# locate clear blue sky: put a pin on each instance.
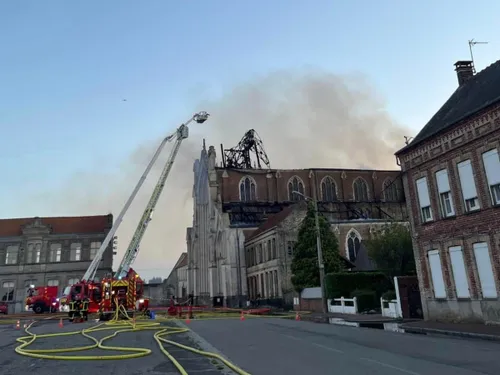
(66, 66)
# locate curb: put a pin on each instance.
(478, 336)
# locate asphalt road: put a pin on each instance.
(266, 346)
(156, 363)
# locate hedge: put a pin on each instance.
(342, 284)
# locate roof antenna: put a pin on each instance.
(472, 43)
(407, 139)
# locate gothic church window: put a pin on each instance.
(328, 190)
(353, 245)
(295, 185)
(247, 189)
(390, 191)
(360, 188)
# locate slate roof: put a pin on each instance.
(182, 261)
(479, 92)
(59, 225)
(271, 222)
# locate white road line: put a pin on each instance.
(390, 366)
(327, 348)
(313, 343)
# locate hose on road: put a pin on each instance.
(117, 326)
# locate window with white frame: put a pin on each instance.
(11, 254)
(8, 291)
(444, 191)
(34, 252)
(248, 190)
(436, 274)
(424, 199)
(459, 272)
(52, 282)
(275, 255)
(491, 161)
(55, 252)
(75, 253)
(73, 281)
(94, 248)
(353, 245)
(468, 185)
(485, 270)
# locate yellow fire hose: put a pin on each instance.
(118, 326)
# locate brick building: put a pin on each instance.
(355, 202)
(53, 251)
(237, 196)
(452, 185)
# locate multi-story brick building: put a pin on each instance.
(452, 185)
(355, 202)
(53, 251)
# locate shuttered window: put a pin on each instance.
(436, 274)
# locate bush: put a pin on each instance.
(342, 284)
(389, 295)
(367, 299)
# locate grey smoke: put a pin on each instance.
(306, 119)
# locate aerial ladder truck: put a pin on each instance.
(124, 288)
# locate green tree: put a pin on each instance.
(305, 268)
(391, 249)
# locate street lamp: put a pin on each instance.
(320, 251)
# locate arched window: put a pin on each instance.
(295, 184)
(328, 190)
(247, 189)
(353, 244)
(360, 190)
(390, 191)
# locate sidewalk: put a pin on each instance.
(476, 331)
(352, 318)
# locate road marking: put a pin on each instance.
(313, 343)
(390, 366)
(327, 348)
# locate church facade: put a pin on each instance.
(235, 206)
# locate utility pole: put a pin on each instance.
(321, 264)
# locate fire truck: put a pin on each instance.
(42, 299)
(124, 288)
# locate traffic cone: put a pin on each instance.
(297, 316)
(242, 316)
(18, 325)
(188, 320)
(61, 323)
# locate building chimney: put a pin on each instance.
(465, 71)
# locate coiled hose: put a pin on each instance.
(118, 326)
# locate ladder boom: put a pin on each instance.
(94, 265)
(133, 248)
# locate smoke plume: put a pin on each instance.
(307, 119)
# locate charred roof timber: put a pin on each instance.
(240, 157)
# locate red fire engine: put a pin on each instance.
(125, 287)
(42, 299)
